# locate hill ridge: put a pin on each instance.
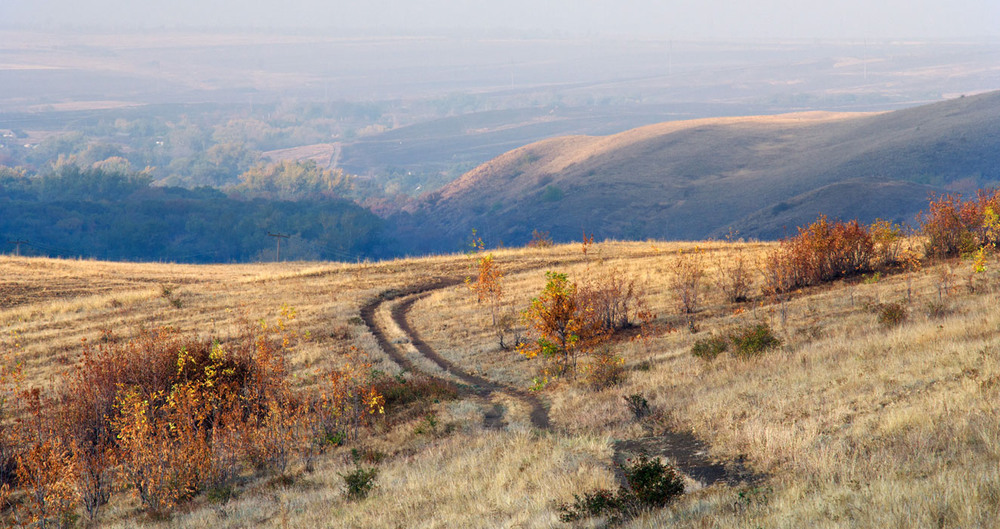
(686, 180)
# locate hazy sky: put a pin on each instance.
(676, 19)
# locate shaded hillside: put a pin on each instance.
(696, 179)
(862, 199)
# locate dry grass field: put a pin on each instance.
(848, 423)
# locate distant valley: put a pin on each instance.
(140, 146)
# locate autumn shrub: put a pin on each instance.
(351, 397)
(943, 224)
(753, 340)
(540, 239)
(562, 325)
(710, 348)
(777, 270)
(953, 226)
(11, 380)
(161, 450)
(649, 484)
(489, 289)
(891, 314)
(94, 474)
(44, 468)
(275, 436)
(188, 414)
(611, 296)
(605, 370)
(567, 320)
(147, 361)
(166, 416)
(826, 250)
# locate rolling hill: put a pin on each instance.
(686, 180)
(851, 421)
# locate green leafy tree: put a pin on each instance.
(292, 180)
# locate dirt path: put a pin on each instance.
(481, 386)
(478, 386)
(687, 452)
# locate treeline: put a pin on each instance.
(108, 211)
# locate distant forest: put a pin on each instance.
(111, 212)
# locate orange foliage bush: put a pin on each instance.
(352, 398)
(605, 370)
(167, 416)
(567, 319)
(162, 446)
(826, 250)
(562, 324)
(45, 468)
(956, 227)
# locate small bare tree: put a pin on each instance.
(689, 271)
(735, 277)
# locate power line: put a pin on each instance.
(49, 249)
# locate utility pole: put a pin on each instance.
(278, 236)
(17, 244)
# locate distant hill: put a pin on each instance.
(689, 180)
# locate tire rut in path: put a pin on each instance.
(479, 386)
(683, 448)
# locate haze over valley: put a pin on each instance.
(405, 115)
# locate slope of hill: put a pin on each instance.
(696, 179)
(849, 422)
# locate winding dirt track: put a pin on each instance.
(477, 385)
(689, 454)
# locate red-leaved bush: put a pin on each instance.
(826, 250)
(954, 226)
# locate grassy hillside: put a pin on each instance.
(695, 179)
(849, 422)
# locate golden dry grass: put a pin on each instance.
(851, 424)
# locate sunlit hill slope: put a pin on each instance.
(761, 176)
